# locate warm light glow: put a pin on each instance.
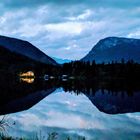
(27, 74)
(27, 77)
(27, 80)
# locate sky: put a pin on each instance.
(69, 29)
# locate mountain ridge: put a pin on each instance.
(25, 48)
(61, 61)
(114, 49)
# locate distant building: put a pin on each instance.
(27, 74)
(64, 76)
(46, 77)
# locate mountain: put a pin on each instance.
(61, 61)
(26, 49)
(114, 49)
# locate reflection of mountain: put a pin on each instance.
(25, 102)
(115, 102)
(112, 97)
(21, 96)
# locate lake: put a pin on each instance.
(76, 109)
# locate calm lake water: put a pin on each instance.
(96, 114)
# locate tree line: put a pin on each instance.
(116, 70)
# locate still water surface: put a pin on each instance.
(102, 116)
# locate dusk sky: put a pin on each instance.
(69, 28)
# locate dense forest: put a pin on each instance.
(114, 70)
(11, 64)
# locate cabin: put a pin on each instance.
(27, 74)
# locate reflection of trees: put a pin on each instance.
(114, 77)
(12, 89)
(110, 96)
(90, 87)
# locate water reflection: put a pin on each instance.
(27, 77)
(114, 103)
(109, 97)
(74, 116)
(27, 80)
(17, 96)
(75, 108)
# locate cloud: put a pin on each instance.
(82, 16)
(68, 29)
(92, 3)
(135, 34)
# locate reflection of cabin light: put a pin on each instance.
(27, 80)
(27, 74)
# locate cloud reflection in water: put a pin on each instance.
(64, 112)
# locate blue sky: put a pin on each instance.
(69, 29)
